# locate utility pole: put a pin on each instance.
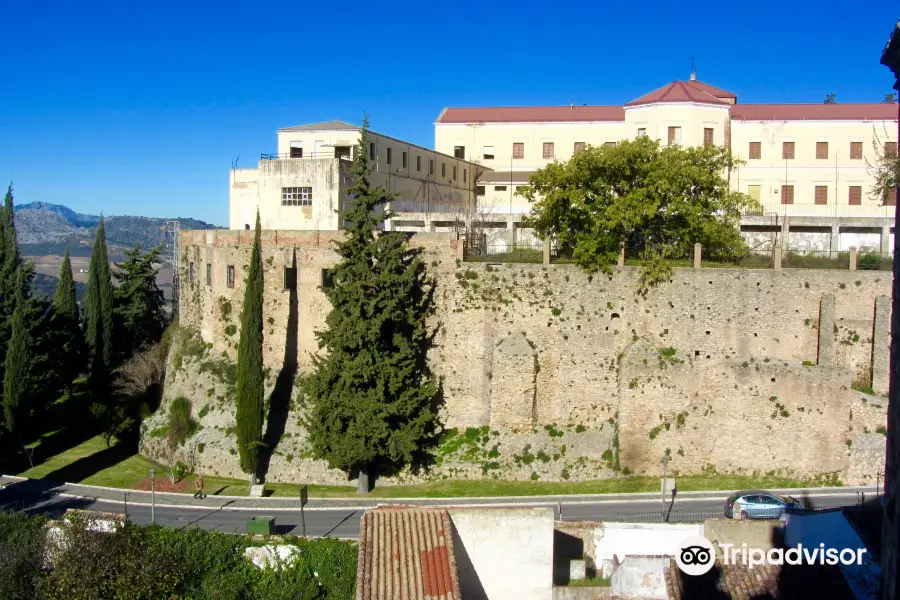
(665, 463)
(153, 496)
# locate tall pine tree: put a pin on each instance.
(98, 312)
(11, 267)
(139, 303)
(17, 380)
(249, 368)
(371, 395)
(67, 327)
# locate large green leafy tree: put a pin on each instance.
(98, 313)
(652, 199)
(69, 351)
(140, 318)
(250, 383)
(371, 395)
(884, 169)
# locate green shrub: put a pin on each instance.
(21, 555)
(181, 424)
(203, 412)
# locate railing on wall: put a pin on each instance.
(504, 252)
(823, 210)
(332, 154)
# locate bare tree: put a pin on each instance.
(885, 169)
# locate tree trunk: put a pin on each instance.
(251, 477)
(366, 478)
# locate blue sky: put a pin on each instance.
(139, 108)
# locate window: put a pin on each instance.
(488, 153)
(787, 150)
(290, 279)
(579, 147)
(327, 279)
(454, 172)
(521, 188)
(821, 194)
(296, 151)
(609, 144)
(674, 135)
(855, 198)
(821, 150)
(642, 132)
(464, 175)
(459, 151)
(856, 150)
(431, 166)
(389, 155)
(707, 136)
(518, 150)
(479, 190)
(499, 188)
(890, 148)
(548, 149)
(418, 163)
(755, 150)
(754, 191)
(296, 196)
(404, 160)
(444, 170)
(191, 272)
(229, 276)
(208, 274)
(787, 194)
(372, 150)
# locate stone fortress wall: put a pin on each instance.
(722, 369)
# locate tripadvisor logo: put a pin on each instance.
(696, 556)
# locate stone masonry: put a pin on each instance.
(725, 369)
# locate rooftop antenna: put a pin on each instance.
(693, 69)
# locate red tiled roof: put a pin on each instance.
(710, 89)
(677, 91)
(814, 112)
(788, 582)
(406, 553)
(532, 114)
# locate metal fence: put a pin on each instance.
(756, 258)
(875, 261)
(503, 252)
(285, 155)
(815, 259)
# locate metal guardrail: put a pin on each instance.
(282, 156)
(824, 210)
(505, 253)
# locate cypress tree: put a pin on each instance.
(98, 312)
(10, 266)
(66, 326)
(249, 368)
(371, 396)
(17, 382)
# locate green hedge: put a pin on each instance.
(155, 562)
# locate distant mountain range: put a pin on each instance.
(45, 228)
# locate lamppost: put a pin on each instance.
(153, 496)
(665, 464)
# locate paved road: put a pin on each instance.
(342, 520)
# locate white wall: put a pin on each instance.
(638, 539)
(504, 553)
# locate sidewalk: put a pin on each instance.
(14, 488)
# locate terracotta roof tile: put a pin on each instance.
(406, 554)
(710, 89)
(814, 112)
(790, 582)
(532, 114)
(677, 91)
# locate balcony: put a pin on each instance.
(878, 211)
(339, 152)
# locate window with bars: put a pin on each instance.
(518, 150)
(787, 150)
(464, 176)
(229, 276)
(855, 198)
(431, 166)
(459, 151)
(208, 274)
(499, 188)
(890, 148)
(296, 196)
(642, 132)
(389, 157)
(787, 194)
(191, 272)
(674, 135)
(371, 150)
(579, 147)
(444, 170)
(296, 151)
(548, 149)
(454, 172)
(856, 150)
(755, 150)
(708, 136)
(821, 150)
(821, 196)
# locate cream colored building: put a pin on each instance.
(304, 185)
(806, 163)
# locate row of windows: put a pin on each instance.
(289, 276)
(404, 161)
(296, 196)
(820, 196)
(518, 150)
(788, 150)
(480, 189)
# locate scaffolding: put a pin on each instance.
(173, 229)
